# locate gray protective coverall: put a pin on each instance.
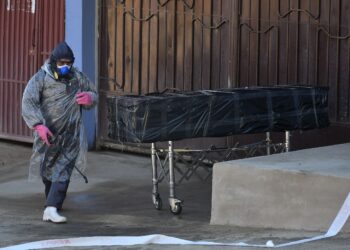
(52, 102)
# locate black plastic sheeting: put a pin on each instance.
(214, 113)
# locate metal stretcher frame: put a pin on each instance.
(175, 203)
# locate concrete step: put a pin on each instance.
(297, 190)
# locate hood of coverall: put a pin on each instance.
(62, 51)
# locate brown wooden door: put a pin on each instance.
(151, 45)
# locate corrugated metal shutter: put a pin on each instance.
(29, 31)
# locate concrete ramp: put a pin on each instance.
(296, 190)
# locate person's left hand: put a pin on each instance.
(84, 98)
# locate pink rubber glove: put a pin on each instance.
(84, 98)
(44, 133)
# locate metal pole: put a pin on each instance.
(268, 143)
(171, 170)
(175, 204)
(154, 169)
(287, 143)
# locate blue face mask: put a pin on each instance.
(63, 70)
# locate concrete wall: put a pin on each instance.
(297, 190)
(81, 37)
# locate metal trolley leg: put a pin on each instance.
(157, 201)
(268, 143)
(287, 143)
(175, 204)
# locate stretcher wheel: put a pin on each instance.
(176, 209)
(158, 203)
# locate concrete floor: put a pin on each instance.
(117, 202)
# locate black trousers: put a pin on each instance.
(55, 193)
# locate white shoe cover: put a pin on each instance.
(50, 214)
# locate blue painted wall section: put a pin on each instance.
(80, 35)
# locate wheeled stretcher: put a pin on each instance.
(168, 117)
(166, 159)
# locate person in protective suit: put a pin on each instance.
(52, 105)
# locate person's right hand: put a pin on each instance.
(44, 133)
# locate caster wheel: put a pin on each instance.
(158, 203)
(176, 209)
